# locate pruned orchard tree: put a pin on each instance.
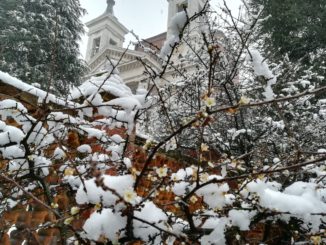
(39, 42)
(226, 153)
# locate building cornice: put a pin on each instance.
(129, 59)
(122, 54)
(103, 18)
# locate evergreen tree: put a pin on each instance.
(296, 27)
(39, 41)
(293, 31)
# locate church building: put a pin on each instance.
(106, 36)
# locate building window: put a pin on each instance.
(143, 84)
(182, 6)
(96, 46)
(113, 43)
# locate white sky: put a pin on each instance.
(145, 17)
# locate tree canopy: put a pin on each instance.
(293, 27)
(39, 41)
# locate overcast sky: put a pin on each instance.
(145, 17)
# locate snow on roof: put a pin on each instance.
(113, 85)
(42, 95)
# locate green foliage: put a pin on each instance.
(39, 41)
(296, 27)
(293, 31)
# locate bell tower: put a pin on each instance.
(175, 6)
(104, 32)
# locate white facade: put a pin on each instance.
(106, 36)
(192, 7)
(105, 40)
(104, 31)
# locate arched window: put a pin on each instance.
(96, 46)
